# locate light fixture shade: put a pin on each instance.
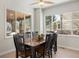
(41, 2)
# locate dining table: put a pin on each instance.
(33, 43)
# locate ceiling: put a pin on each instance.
(29, 2)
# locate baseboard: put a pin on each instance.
(68, 47)
(6, 52)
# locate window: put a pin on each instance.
(48, 23)
(56, 22)
(53, 23)
(75, 22)
(67, 23)
(17, 22)
(10, 22)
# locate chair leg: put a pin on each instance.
(48, 54)
(16, 54)
(43, 53)
(51, 54)
(55, 48)
(55, 52)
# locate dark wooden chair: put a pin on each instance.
(21, 49)
(34, 34)
(55, 42)
(49, 46)
(27, 34)
(46, 49)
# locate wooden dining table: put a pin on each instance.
(32, 43)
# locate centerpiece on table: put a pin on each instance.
(40, 37)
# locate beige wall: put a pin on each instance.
(7, 44)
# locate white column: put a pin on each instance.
(32, 22)
(44, 24)
(41, 21)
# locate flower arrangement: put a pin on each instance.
(40, 37)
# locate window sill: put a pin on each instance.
(8, 36)
(68, 35)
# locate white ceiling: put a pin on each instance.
(28, 3)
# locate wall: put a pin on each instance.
(36, 19)
(62, 8)
(7, 44)
(67, 41)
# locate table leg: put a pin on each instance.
(33, 52)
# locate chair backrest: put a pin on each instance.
(34, 34)
(54, 41)
(50, 40)
(18, 41)
(47, 37)
(55, 36)
(27, 35)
